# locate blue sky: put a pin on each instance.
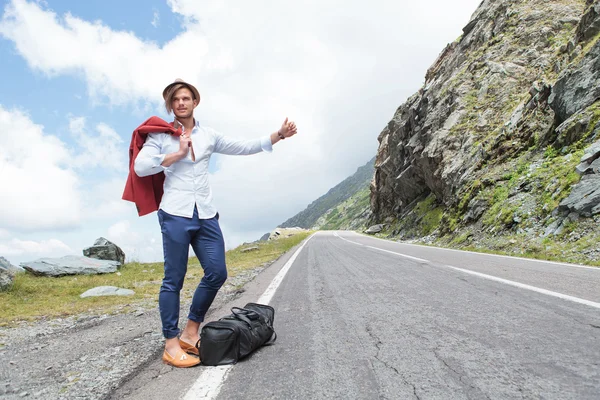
(79, 76)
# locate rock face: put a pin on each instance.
(501, 110)
(6, 279)
(104, 249)
(5, 264)
(577, 89)
(70, 265)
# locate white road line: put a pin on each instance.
(399, 254)
(268, 294)
(529, 287)
(377, 248)
(487, 254)
(209, 383)
(501, 280)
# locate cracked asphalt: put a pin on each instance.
(357, 323)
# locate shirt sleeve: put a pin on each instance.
(149, 159)
(226, 145)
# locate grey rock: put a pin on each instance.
(584, 198)
(375, 229)
(572, 129)
(577, 89)
(285, 232)
(104, 249)
(6, 279)
(589, 26)
(588, 168)
(595, 167)
(107, 291)
(5, 264)
(70, 265)
(264, 237)
(247, 249)
(553, 228)
(591, 153)
(582, 168)
(475, 209)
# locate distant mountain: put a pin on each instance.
(351, 195)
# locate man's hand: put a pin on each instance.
(185, 142)
(288, 129)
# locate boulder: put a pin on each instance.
(106, 291)
(584, 198)
(374, 229)
(104, 249)
(475, 210)
(5, 264)
(264, 237)
(70, 265)
(6, 279)
(247, 249)
(285, 232)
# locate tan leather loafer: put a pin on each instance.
(180, 360)
(189, 348)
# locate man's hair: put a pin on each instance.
(172, 90)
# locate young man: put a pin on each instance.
(186, 213)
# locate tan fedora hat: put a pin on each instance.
(193, 89)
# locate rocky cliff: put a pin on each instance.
(500, 147)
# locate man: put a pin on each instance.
(186, 213)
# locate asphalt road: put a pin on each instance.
(362, 318)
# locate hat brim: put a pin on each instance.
(192, 88)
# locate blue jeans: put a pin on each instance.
(205, 236)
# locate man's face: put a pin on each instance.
(183, 103)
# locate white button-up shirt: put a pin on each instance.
(186, 181)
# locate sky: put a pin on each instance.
(77, 77)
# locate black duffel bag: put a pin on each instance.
(234, 336)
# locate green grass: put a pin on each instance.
(348, 211)
(33, 297)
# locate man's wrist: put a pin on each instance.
(280, 135)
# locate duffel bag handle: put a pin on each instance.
(271, 339)
(249, 313)
(241, 315)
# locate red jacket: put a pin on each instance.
(146, 192)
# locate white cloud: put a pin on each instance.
(155, 19)
(103, 149)
(40, 192)
(138, 244)
(338, 68)
(103, 201)
(44, 191)
(44, 248)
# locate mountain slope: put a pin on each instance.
(500, 148)
(340, 193)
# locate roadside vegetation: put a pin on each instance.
(34, 297)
